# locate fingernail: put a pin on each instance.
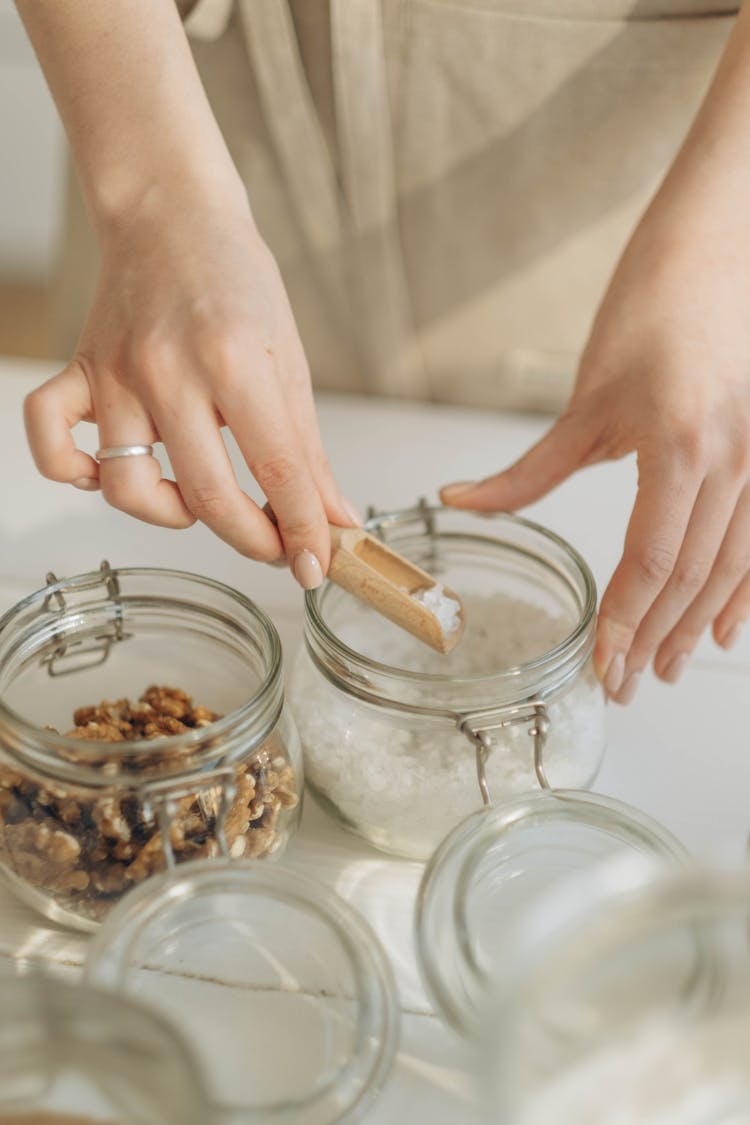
(87, 484)
(615, 674)
(307, 570)
(352, 512)
(627, 692)
(283, 561)
(453, 491)
(675, 668)
(729, 640)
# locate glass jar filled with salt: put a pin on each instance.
(403, 743)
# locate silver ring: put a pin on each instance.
(123, 451)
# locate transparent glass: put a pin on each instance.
(634, 1010)
(226, 993)
(73, 1055)
(502, 864)
(83, 820)
(391, 730)
(279, 987)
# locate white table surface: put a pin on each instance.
(680, 753)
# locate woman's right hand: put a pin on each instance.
(191, 330)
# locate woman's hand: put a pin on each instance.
(191, 330)
(666, 374)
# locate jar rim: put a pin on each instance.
(443, 889)
(58, 1004)
(41, 746)
(576, 640)
(108, 961)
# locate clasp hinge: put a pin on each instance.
(477, 725)
(77, 655)
(161, 800)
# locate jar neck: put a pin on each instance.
(376, 684)
(53, 629)
(543, 678)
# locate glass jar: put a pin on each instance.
(402, 743)
(500, 866)
(73, 1055)
(227, 993)
(214, 765)
(627, 1006)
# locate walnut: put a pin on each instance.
(109, 819)
(110, 878)
(70, 882)
(201, 717)
(149, 860)
(40, 849)
(87, 851)
(163, 726)
(97, 731)
(9, 779)
(168, 701)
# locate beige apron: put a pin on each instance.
(447, 184)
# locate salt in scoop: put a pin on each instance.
(396, 588)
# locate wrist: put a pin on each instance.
(124, 200)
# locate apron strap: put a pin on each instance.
(358, 216)
(367, 160)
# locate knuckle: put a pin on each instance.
(259, 553)
(690, 577)
(276, 473)
(654, 565)
(207, 502)
(689, 443)
(734, 568)
(35, 403)
(738, 459)
(150, 357)
(227, 354)
(304, 531)
(121, 494)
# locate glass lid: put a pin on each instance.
(279, 987)
(495, 866)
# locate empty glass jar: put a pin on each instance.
(402, 743)
(227, 993)
(194, 755)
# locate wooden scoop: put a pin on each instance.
(370, 571)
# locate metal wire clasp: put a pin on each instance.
(477, 726)
(78, 654)
(161, 801)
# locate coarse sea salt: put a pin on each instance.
(446, 609)
(403, 781)
(668, 1072)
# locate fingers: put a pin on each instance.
(277, 459)
(134, 484)
(724, 599)
(728, 625)
(301, 405)
(565, 448)
(689, 586)
(667, 491)
(208, 485)
(50, 413)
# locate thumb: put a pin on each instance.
(562, 450)
(51, 412)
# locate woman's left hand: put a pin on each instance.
(666, 373)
